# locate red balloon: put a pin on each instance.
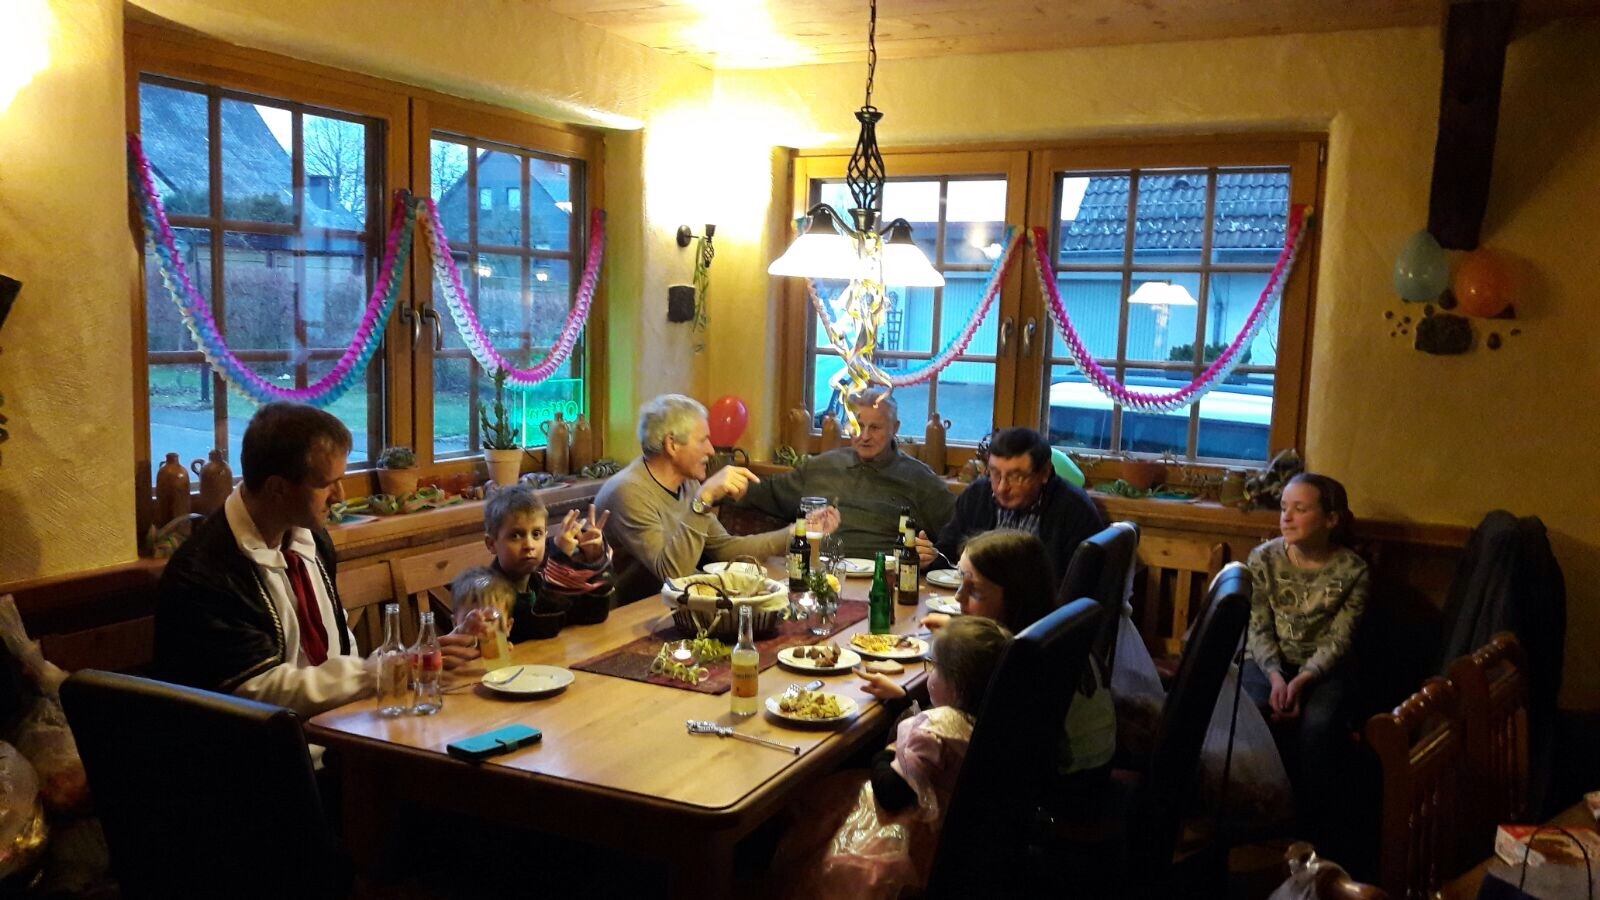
(1482, 284)
(727, 418)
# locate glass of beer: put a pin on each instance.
(809, 505)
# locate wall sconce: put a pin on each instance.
(686, 234)
(685, 302)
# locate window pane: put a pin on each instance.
(499, 173)
(1077, 415)
(448, 162)
(336, 173)
(1232, 296)
(353, 409)
(1171, 217)
(178, 144)
(1144, 432)
(963, 291)
(550, 294)
(452, 429)
(1163, 331)
(1252, 215)
(1094, 218)
(258, 292)
(966, 399)
(1093, 301)
(180, 413)
(539, 404)
(551, 187)
(335, 294)
(497, 295)
(257, 183)
(164, 328)
(1235, 418)
(908, 321)
(832, 293)
(975, 226)
(823, 396)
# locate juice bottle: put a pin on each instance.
(746, 667)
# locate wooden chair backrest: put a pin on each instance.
(1419, 748)
(363, 589)
(1177, 573)
(422, 582)
(1493, 685)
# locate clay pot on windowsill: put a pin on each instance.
(1143, 474)
(398, 482)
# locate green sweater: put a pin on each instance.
(1304, 617)
(868, 494)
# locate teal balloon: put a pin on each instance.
(1065, 467)
(1421, 271)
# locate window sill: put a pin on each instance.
(379, 534)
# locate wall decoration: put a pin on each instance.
(1421, 271)
(1482, 284)
(1481, 287)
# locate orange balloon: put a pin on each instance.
(1482, 284)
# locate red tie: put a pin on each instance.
(313, 635)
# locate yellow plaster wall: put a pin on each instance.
(66, 476)
(1413, 436)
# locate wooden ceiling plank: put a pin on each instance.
(1476, 34)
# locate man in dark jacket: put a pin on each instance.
(248, 605)
(1022, 491)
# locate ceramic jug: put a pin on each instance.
(933, 443)
(557, 452)
(830, 432)
(798, 427)
(582, 444)
(172, 491)
(216, 482)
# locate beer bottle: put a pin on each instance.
(880, 611)
(910, 568)
(799, 561)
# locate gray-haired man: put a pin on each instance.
(662, 505)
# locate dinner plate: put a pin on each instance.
(945, 578)
(946, 605)
(918, 648)
(848, 659)
(847, 708)
(856, 567)
(712, 568)
(530, 681)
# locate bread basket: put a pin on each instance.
(717, 612)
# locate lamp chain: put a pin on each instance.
(872, 48)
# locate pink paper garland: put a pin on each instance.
(1219, 369)
(466, 318)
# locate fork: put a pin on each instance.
(702, 726)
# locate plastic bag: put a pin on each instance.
(43, 735)
(23, 832)
(1137, 692)
(1258, 791)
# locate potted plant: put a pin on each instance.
(397, 471)
(501, 452)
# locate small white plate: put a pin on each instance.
(531, 681)
(946, 605)
(945, 578)
(712, 568)
(847, 708)
(917, 648)
(848, 659)
(856, 567)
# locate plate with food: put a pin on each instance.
(945, 578)
(942, 604)
(811, 707)
(856, 567)
(826, 658)
(528, 681)
(889, 646)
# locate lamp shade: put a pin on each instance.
(904, 262)
(820, 251)
(1163, 293)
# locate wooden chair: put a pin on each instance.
(1419, 748)
(422, 582)
(1332, 882)
(1177, 573)
(363, 590)
(1493, 686)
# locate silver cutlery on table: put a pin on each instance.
(494, 678)
(702, 726)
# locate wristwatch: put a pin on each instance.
(698, 507)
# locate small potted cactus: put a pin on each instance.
(397, 471)
(501, 451)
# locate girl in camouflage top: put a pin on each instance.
(1310, 591)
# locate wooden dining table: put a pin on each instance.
(617, 767)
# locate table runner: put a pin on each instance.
(632, 660)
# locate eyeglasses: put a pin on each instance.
(1013, 478)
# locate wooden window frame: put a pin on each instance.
(402, 112)
(1021, 296)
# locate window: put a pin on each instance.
(520, 267)
(269, 203)
(276, 176)
(1208, 216)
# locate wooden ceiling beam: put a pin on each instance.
(1476, 34)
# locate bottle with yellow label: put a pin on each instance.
(493, 648)
(746, 667)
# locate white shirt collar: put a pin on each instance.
(249, 538)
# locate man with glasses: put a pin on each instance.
(1021, 490)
